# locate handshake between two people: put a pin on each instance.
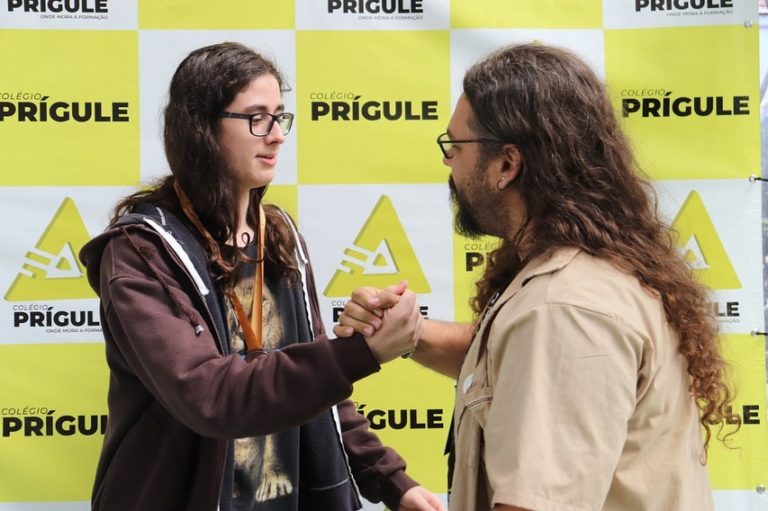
(389, 319)
(391, 322)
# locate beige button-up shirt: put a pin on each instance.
(577, 399)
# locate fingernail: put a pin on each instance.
(374, 301)
(368, 330)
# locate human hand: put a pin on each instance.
(362, 312)
(419, 499)
(400, 330)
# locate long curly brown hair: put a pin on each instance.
(582, 187)
(204, 83)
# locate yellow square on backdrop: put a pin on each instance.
(527, 14)
(470, 259)
(688, 98)
(742, 463)
(52, 426)
(370, 106)
(200, 14)
(409, 408)
(69, 112)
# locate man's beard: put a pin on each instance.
(464, 221)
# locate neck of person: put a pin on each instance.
(244, 231)
(522, 241)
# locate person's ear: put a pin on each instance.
(511, 165)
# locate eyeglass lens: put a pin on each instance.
(261, 123)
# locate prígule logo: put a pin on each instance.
(402, 418)
(375, 6)
(701, 247)
(681, 5)
(349, 107)
(663, 103)
(60, 6)
(48, 423)
(30, 107)
(60, 320)
(51, 270)
(33, 421)
(379, 255)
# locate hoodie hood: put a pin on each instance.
(90, 256)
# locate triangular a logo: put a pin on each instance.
(701, 247)
(380, 256)
(51, 270)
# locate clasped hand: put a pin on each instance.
(389, 319)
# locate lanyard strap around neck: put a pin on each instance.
(252, 331)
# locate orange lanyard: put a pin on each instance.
(252, 331)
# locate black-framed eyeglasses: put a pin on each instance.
(261, 123)
(446, 144)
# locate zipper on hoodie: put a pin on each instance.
(217, 334)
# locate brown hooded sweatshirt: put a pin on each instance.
(176, 399)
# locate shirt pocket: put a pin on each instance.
(475, 405)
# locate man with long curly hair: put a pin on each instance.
(593, 365)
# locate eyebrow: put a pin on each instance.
(262, 108)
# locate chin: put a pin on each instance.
(263, 178)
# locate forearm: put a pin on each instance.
(442, 346)
(378, 470)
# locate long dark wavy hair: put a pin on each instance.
(582, 188)
(204, 84)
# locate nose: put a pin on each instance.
(275, 135)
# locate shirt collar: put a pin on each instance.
(549, 262)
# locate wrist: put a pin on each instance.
(416, 336)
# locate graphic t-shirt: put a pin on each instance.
(267, 467)
(303, 468)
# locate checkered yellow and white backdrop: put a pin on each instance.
(82, 83)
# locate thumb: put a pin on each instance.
(398, 288)
(389, 296)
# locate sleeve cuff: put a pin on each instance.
(355, 357)
(394, 487)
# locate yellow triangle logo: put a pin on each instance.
(51, 270)
(380, 256)
(701, 246)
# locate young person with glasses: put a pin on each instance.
(224, 391)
